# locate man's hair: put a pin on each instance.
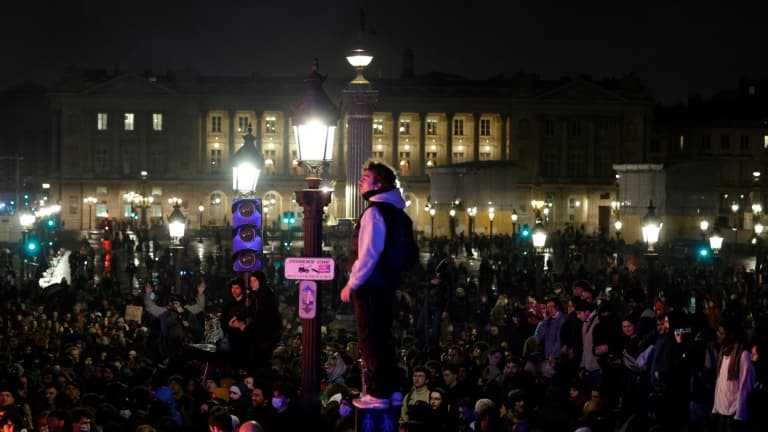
(382, 173)
(237, 281)
(556, 301)
(250, 426)
(221, 420)
(423, 369)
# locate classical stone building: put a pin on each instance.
(174, 135)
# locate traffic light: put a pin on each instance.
(32, 246)
(247, 245)
(51, 223)
(525, 231)
(289, 218)
(703, 252)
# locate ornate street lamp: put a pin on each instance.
(314, 124)
(716, 241)
(90, 200)
(472, 212)
(200, 209)
(432, 216)
(514, 218)
(452, 214)
(26, 220)
(651, 228)
(247, 163)
(539, 240)
(491, 216)
(177, 223)
(617, 225)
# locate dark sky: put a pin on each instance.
(678, 48)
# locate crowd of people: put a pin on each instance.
(474, 350)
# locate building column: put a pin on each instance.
(287, 162)
(395, 140)
(421, 161)
(504, 125)
(449, 138)
(231, 134)
(358, 99)
(476, 136)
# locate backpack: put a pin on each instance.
(401, 253)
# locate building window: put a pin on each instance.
(269, 161)
(242, 124)
(101, 160)
(101, 121)
(681, 143)
(458, 127)
(378, 154)
(725, 142)
(405, 127)
(485, 127)
(744, 142)
(128, 121)
(216, 124)
(431, 159)
(215, 159)
(157, 122)
(405, 163)
(101, 209)
(458, 156)
(706, 143)
(431, 127)
(765, 142)
(270, 125)
(576, 128)
(549, 128)
(485, 153)
(378, 126)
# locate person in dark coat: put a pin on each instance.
(263, 323)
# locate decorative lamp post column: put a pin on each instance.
(514, 218)
(432, 217)
(491, 216)
(358, 101)
(651, 228)
(314, 124)
(716, 244)
(735, 209)
(539, 240)
(471, 213)
(177, 223)
(200, 210)
(452, 214)
(90, 200)
(27, 220)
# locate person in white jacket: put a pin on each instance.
(735, 378)
(371, 286)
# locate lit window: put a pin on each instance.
(215, 159)
(270, 125)
(485, 127)
(432, 127)
(405, 127)
(405, 164)
(682, 142)
(128, 121)
(269, 161)
(378, 154)
(242, 124)
(157, 122)
(458, 127)
(765, 141)
(431, 159)
(216, 124)
(378, 126)
(101, 121)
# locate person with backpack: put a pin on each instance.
(382, 247)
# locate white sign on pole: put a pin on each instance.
(299, 268)
(307, 299)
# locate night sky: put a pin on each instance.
(678, 48)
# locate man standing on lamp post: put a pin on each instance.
(371, 285)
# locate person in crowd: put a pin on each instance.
(735, 377)
(417, 399)
(371, 285)
(234, 318)
(264, 323)
(548, 330)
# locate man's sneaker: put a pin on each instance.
(370, 402)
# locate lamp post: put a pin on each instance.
(514, 218)
(452, 214)
(314, 121)
(758, 240)
(432, 217)
(651, 228)
(735, 210)
(177, 223)
(26, 219)
(358, 101)
(716, 244)
(90, 200)
(539, 240)
(200, 209)
(471, 213)
(491, 216)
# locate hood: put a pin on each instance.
(393, 197)
(164, 394)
